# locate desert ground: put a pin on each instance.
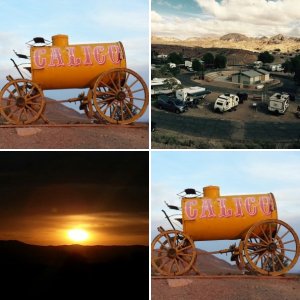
(96, 136)
(221, 280)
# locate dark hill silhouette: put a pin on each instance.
(40, 272)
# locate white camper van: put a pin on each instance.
(279, 103)
(191, 95)
(160, 86)
(226, 102)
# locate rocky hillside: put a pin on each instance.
(236, 41)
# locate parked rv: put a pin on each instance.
(163, 85)
(192, 95)
(279, 103)
(226, 102)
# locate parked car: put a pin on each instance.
(171, 104)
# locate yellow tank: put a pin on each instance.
(216, 217)
(64, 66)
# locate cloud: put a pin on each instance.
(250, 17)
(168, 4)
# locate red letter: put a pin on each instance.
(38, 61)
(266, 205)
(252, 211)
(114, 54)
(73, 61)
(207, 207)
(189, 211)
(100, 58)
(56, 55)
(238, 207)
(87, 55)
(225, 213)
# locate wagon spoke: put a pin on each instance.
(133, 104)
(187, 247)
(109, 87)
(33, 97)
(290, 250)
(8, 106)
(162, 245)
(171, 265)
(185, 254)
(260, 238)
(127, 108)
(20, 114)
(136, 91)
(159, 257)
(113, 82)
(164, 263)
(288, 242)
(136, 98)
(265, 235)
(278, 258)
(133, 83)
(13, 111)
(177, 265)
(122, 113)
(284, 235)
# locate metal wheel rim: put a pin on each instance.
(119, 100)
(21, 102)
(273, 245)
(173, 253)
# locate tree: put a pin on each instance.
(208, 59)
(266, 57)
(196, 65)
(220, 61)
(176, 58)
(293, 66)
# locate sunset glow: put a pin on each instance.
(78, 235)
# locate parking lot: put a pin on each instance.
(250, 121)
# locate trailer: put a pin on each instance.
(226, 102)
(279, 103)
(192, 95)
(115, 94)
(268, 246)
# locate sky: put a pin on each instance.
(206, 18)
(85, 22)
(235, 172)
(46, 194)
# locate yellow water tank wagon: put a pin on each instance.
(216, 217)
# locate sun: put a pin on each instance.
(78, 235)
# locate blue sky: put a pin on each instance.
(235, 172)
(84, 21)
(210, 18)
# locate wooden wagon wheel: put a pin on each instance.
(271, 247)
(21, 102)
(120, 96)
(173, 253)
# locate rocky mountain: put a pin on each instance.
(234, 37)
(236, 41)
